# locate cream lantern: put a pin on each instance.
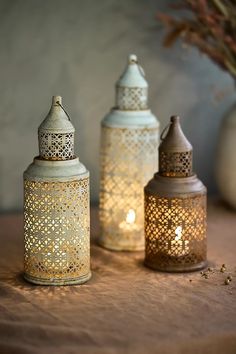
(129, 142)
(175, 208)
(56, 207)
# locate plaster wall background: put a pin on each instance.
(78, 49)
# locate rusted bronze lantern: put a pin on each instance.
(175, 208)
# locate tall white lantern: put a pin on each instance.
(56, 207)
(129, 143)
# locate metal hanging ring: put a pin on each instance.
(63, 110)
(162, 137)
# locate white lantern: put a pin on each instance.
(56, 207)
(129, 143)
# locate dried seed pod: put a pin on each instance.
(227, 281)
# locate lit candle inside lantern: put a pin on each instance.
(178, 247)
(129, 223)
(130, 218)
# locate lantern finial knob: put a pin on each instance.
(56, 100)
(175, 151)
(174, 119)
(132, 58)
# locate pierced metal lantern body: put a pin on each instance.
(129, 141)
(175, 209)
(56, 207)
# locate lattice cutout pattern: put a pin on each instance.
(54, 146)
(175, 164)
(132, 98)
(56, 229)
(175, 231)
(128, 161)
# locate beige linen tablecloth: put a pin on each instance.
(125, 307)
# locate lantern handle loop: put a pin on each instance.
(59, 104)
(141, 70)
(162, 137)
(132, 59)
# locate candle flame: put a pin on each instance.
(178, 233)
(130, 218)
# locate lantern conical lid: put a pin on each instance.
(56, 133)
(132, 87)
(56, 120)
(175, 151)
(133, 75)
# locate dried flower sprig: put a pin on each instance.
(210, 25)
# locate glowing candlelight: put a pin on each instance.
(129, 223)
(178, 233)
(130, 218)
(178, 247)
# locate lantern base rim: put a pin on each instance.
(58, 282)
(177, 268)
(120, 248)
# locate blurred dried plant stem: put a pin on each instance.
(210, 25)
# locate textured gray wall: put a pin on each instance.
(78, 49)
